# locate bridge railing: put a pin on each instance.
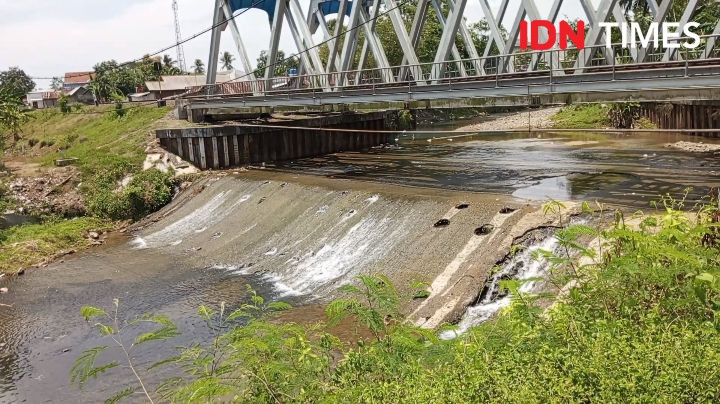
(553, 63)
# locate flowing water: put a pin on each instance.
(298, 238)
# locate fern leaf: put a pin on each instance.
(167, 330)
(89, 312)
(120, 395)
(84, 368)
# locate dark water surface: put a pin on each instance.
(42, 333)
(626, 169)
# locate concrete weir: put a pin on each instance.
(233, 145)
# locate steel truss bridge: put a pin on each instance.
(500, 70)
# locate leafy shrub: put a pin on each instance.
(624, 115)
(47, 143)
(146, 192)
(6, 200)
(64, 104)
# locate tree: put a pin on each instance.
(199, 67)
(169, 67)
(12, 114)
(227, 60)
(112, 79)
(57, 83)
(15, 83)
(282, 64)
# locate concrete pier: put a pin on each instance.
(234, 145)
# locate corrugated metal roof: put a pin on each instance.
(78, 77)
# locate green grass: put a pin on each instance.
(590, 116)
(28, 245)
(103, 143)
(96, 139)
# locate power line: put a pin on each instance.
(170, 47)
(295, 55)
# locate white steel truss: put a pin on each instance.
(354, 37)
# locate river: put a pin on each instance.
(297, 237)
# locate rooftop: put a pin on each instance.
(78, 77)
(176, 83)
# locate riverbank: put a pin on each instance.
(106, 154)
(534, 118)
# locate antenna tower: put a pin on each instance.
(178, 38)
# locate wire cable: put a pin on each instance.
(295, 55)
(170, 47)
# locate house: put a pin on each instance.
(82, 95)
(171, 86)
(143, 96)
(74, 80)
(42, 99)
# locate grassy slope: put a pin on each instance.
(24, 246)
(591, 116)
(95, 135)
(98, 140)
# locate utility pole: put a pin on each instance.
(178, 38)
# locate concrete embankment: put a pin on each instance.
(307, 236)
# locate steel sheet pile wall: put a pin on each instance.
(226, 146)
(684, 116)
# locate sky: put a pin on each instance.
(47, 38)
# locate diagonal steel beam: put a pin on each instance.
(597, 34)
(415, 30)
(214, 55)
(322, 24)
(402, 36)
(454, 49)
(470, 46)
(338, 29)
(712, 41)
(275, 31)
(350, 43)
(371, 38)
(660, 12)
(692, 6)
(494, 24)
(447, 39)
(308, 45)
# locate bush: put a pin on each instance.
(146, 192)
(6, 201)
(624, 115)
(64, 104)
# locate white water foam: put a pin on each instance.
(335, 260)
(138, 243)
(198, 221)
(490, 306)
(372, 199)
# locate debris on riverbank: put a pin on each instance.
(48, 191)
(694, 147)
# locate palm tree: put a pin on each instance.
(199, 66)
(168, 62)
(227, 60)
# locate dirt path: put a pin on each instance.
(539, 118)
